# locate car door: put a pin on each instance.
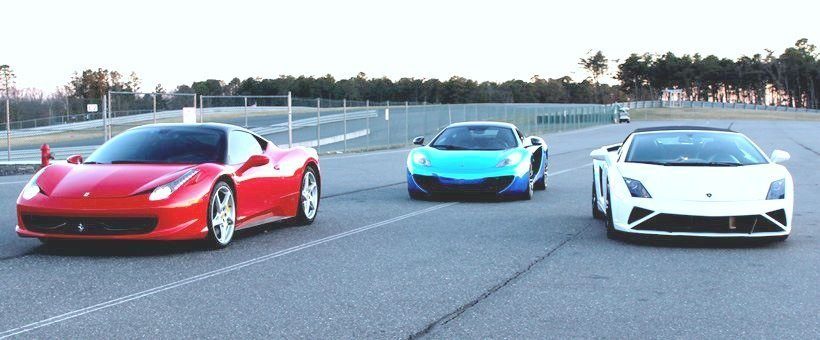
(253, 185)
(285, 182)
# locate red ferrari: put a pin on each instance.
(172, 182)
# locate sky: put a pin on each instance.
(178, 42)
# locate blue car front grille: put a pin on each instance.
(489, 185)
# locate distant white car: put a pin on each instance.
(623, 115)
(691, 181)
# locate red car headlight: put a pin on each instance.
(32, 189)
(164, 191)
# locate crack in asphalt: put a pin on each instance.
(805, 147)
(492, 290)
(363, 190)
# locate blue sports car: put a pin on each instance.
(488, 158)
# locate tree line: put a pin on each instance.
(788, 79)
(454, 90)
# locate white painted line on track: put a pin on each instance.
(567, 170)
(15, 182)
(200, 277)
(176, 284)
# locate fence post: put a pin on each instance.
(154, 106)
(367, 123)
(449, 114)
(201, 108)
(107, 115)
(318, 123)
(246, 111)
(387, 119)
(8, 127)
(344, 115)
(290, 121)
(406, 123)
(424, 111)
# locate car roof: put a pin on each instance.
(681, 128)
(212, 126)
(484, 123)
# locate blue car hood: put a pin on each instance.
(464, 159)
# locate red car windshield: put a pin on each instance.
(162, 145)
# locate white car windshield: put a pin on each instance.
(693, 148)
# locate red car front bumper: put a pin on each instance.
(180, 217)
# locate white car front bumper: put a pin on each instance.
(764, 218)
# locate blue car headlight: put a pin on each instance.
(419, 159)
(511, 159)
(636, 188)
(777, 190)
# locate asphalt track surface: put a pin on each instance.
(378, 265)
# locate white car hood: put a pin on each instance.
(705, 183)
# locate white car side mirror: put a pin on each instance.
(780, 156)
(599, 155)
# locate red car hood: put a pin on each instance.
(105, 180)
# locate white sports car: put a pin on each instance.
(691, 181)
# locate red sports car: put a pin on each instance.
(172, 182)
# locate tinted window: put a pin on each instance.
(163, 145)
(241, 146)
(693, 148)
(475, 138)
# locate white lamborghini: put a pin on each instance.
(691, 181)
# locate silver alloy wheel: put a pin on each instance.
(223, 215)
(310, 195)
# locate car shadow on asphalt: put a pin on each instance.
(699, 242)
(470, 198)
(118, 248)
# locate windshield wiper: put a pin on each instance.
(725, 164)
(705, 164)
(448, 147)
(91, 162)
(651, 162)
(131, 161)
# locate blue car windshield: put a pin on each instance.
(162, 145)
(479, 138)
(693, 148)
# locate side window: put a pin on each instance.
(241, 146)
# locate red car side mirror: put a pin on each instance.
(252, 162)
(75, 159)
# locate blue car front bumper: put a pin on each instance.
(501, 182)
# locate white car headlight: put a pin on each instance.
(164, 191)
(31, 189)
(636, 188)
(419, 159)
(777, 190)
(512, 159)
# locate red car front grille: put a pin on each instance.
(72, 225)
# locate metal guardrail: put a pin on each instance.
(334, 125)
(341, 127)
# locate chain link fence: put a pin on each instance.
(329, 125)
(130, 109)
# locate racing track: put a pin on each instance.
(377, 265)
